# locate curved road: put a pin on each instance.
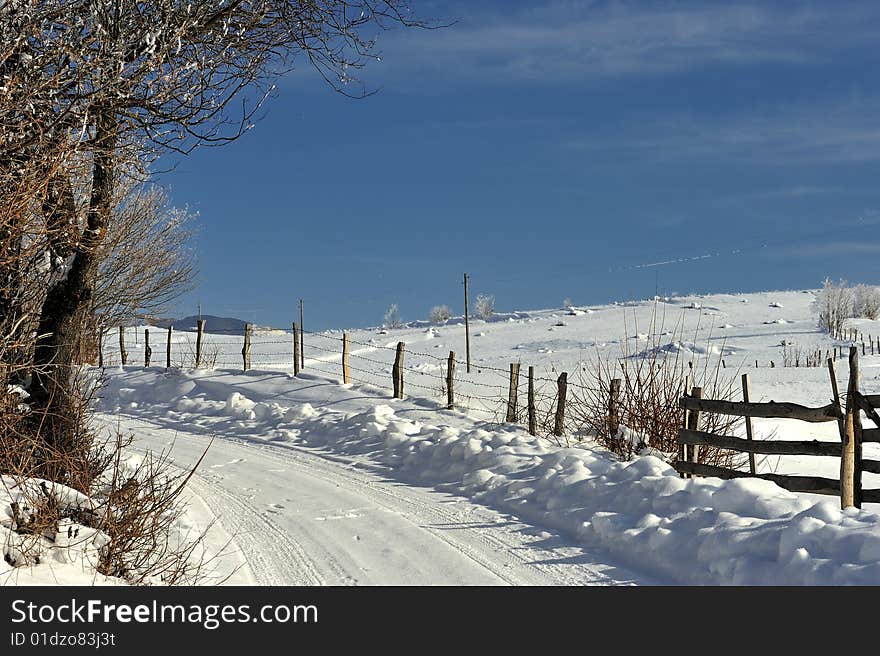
(300, 517)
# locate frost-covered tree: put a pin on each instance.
(833, 305)
(439, 314)
(866, 301)
(484, 307)
(392, 317)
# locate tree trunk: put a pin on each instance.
(65, 316)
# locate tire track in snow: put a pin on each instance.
(245, 523)
(484, 553)
(493, 541)
(279, 558)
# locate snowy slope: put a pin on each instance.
(744, 327)
(324, 483)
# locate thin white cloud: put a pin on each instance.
(830, 249)
(830, 133)
(568, 41)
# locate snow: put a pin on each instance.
(67, 553)
(314, 480)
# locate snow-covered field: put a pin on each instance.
(323, 483)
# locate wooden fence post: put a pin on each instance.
(855, 373)
(246, 348)
(848, 452)
(148, 352)
(562, 383)
(302, 337)
(685, 423)
(841, 421)
(533, 420)
(201, 331)
(450, 381)
(168, 347)
(694, 424)
(296, 362)
(512, 389)
(101, 346)
(123, 354)
(346, 365)
(613, 405)
(749, 433)
(397, 371)
(467, 327)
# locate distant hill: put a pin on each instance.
(213, 324)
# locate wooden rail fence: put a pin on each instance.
(848, 486)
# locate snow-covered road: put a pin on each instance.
(300, 517)
(326, 483)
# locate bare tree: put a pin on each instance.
(833, 305)
(146, 259)
(109, 78)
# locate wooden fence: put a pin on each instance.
(848, 486)
(849, 449)
(397, 371)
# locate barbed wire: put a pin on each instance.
(267, 356)
(288, 362)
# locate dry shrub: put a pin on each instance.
(59, 447)
(652, 382)
(140, 510)
(126, 518)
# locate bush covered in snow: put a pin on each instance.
(439, 314)
(392, 317)
(484, 307)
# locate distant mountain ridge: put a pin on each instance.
(213, 324)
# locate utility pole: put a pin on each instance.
(200, 311)
(467, 326)
(302, 356)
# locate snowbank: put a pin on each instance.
(696, 531)
(66, 553)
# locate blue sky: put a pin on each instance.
(558, 149)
